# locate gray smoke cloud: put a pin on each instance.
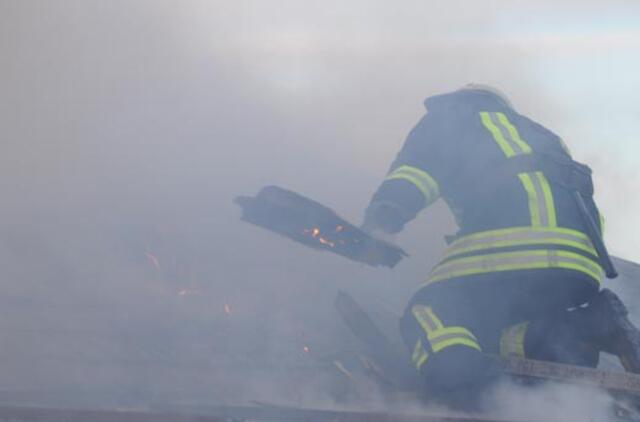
(127, 129)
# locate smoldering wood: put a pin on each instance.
(312, 224)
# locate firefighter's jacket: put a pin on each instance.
(520, 221)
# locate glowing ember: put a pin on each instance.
(227, 309)
(306, 349)
(315, 233)
(153, 259)
(326, 242)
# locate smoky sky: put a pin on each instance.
(128, 127)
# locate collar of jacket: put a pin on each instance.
(470, 99)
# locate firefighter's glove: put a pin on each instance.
(385, 216)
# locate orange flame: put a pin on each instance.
(306, 349)
(227, 309)
(315, 233)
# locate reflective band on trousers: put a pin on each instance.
(439, 336)
(504, 133)
(521, 236)
(512, 340)
(510, 261)
(420, 179)
(419, 356)
(541, 205)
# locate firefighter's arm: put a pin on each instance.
(410, 185)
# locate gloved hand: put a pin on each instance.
(385, 216)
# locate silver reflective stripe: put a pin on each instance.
(420, 179)
(515, 261)
(487, 262)
(512, 340)
(420, 355)
(437, 339)
(452, 336)
(521, 236)
(506, 134)
(542, 204)
(426, 320)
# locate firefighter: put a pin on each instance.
(528, 257)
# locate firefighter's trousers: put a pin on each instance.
(451, 326)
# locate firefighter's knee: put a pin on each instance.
(459, 368)
(431, 336)
(558, 340)
(448, 357)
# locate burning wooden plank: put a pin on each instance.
(314, 225)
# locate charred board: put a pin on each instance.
(314, 225)
(288, 413)
(395, 368)
(619, 382)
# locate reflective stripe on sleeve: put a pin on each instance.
(521, 236)
(420, 179)
(426, 318)
(504, 133)
(541, 205)
(511, 261)
(512, 340)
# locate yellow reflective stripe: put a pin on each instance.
(451, 336)
(450, 330)
(511, 261)
(602, 221)
(521, 236)
(439, 336)
(455, 341)
(420, 178)
(418, 351)
(512, 340)
(504, 133)
(426, 318)
(513, 132)
(541, 204)
(420, 356)
(549, 204)
(497, 135)
(534, 203)
(422, 360)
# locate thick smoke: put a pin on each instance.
(128, 127)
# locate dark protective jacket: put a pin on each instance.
(508, 219)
